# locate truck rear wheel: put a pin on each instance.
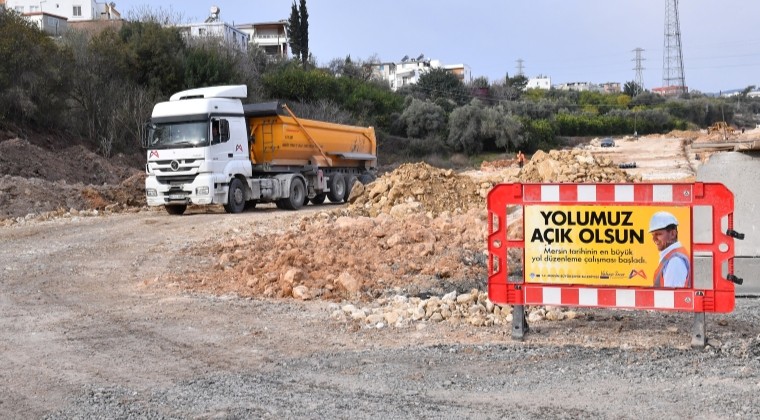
(297, 195)
(367, 177)
(349, 186)
(175, 209)
(236, 198)
(337, 188)
(319, 198)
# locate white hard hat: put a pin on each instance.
(661, 220)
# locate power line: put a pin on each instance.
(672, 61)
(639, 79)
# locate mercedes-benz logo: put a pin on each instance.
(174, 165)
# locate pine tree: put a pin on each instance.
(304, 34)
(294, 31)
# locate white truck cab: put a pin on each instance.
(196, 144)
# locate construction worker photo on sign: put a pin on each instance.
(674, 268)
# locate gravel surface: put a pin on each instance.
(91, 328)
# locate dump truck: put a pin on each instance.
(205, 146)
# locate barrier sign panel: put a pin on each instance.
(612, 245)
(607, 246)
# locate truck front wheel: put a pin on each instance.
(297, 195)
(175, 209)
(236, 198)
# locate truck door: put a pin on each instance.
(222, 149)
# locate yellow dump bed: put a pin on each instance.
(280, 139)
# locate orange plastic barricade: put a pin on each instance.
(626, 246)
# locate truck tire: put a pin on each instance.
(367, 177)
(337, 188)
(349, 186)
(236, 197)
(176, 209)
(319, 198)
(297, 195)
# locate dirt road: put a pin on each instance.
(90, 329)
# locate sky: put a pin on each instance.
(569, 41)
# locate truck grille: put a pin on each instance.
(176, 180)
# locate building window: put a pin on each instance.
(34, 8)
(77, 11)
(201, 31)
(20, 9)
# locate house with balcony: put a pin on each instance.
(577, 86)
(213, 28)
(408, 71)
(272, 37)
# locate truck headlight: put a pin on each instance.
(151, 192)
(201, 191)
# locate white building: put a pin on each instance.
(215, 28)
(272, 37)
(73, 10)
(48, 23)
(611, 87)
(408, 71)
(577, 86)
(540, 82)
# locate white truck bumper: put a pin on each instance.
(199, 191)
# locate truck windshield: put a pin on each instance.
(178, 134)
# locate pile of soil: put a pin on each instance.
(415, 231)
(37, 180)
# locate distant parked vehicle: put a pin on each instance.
(608, 142)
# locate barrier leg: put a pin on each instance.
(698, 337)
(519, 323)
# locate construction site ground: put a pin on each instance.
(113, 310)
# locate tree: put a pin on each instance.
(359, 70)
(423, 118)
(501, 128)
(304, 34)
(746, 91)
(440, 83)
(464, 129)
(33, 75)
(632, 88)
(294, 31)
(154, 55)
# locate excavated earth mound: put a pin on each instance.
(416, 231)
(41, 183)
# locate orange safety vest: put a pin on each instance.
(677, 253)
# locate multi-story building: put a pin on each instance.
(272, 37)
(577, 86)
(214, 28)
(461, 71)
(611, 87)
(408, 71)
(539, 82)
(72, 10)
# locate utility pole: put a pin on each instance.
(672, 60)
(639, 80)
(520, 67)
